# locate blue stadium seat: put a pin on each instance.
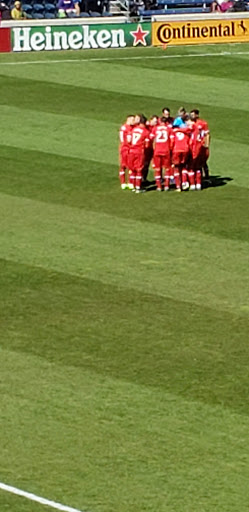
(49, 7)
(27, 8)
(152, 12)
(84, 15)
(185, 10)
(38, 7)
(183, 2)
(49, 15)
(37, 15)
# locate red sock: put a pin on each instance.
(138, 180)
(167, 178)
(191, 176)
(132, 178)
(177, 177)
(122, 175)
(184, 176)
(158, 178)
(198, 177)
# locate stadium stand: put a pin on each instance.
(176, 7)
(163, 7)
(48, 9)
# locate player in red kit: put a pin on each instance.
(153, 121)
(124, 147)
(163, 138)
(204, 134)
(180, 156)
(139, 142)
(166, 113)
(195, 161)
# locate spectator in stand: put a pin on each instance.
(93, 5)
(68, 8)
(4, 12)
(17, 13)
(222, 6)
(135, 7)
(150, 5)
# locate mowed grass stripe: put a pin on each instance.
(132, 434)
(80, 183)
(139, 51)
(60, 134)
(116, 77)
(101, 105)
(94, 140)
(157, 259)
(134, 443)
(186, 349)
(17, 504)
(206, 66)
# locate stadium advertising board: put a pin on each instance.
(200, 32)
(80, 37)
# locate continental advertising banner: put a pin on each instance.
(80, 37)
(200, 32)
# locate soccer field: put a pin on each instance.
(124, 318)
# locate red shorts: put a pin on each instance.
(180, 158)
(195, 161)
(123, 157)
(136, 161)
(161, 161)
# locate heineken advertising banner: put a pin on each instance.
(200, 32)
(80, 37)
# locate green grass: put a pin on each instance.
(124, 319)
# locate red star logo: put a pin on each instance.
(139, 36)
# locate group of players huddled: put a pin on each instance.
(177, 147)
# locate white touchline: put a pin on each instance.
(107, 59)
(38, 499)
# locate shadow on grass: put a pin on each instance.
(212, 181)
(216, 181)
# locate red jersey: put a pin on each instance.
(163, 137)
(181, 142)
(150, 129)
(125, 136)
(199, 132)
(139, 139)
(202, 128)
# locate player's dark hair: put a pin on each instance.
(195, 111)
(143, 119)
(130, 115)
(154, 115)
(163, 119)
(166, 108)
